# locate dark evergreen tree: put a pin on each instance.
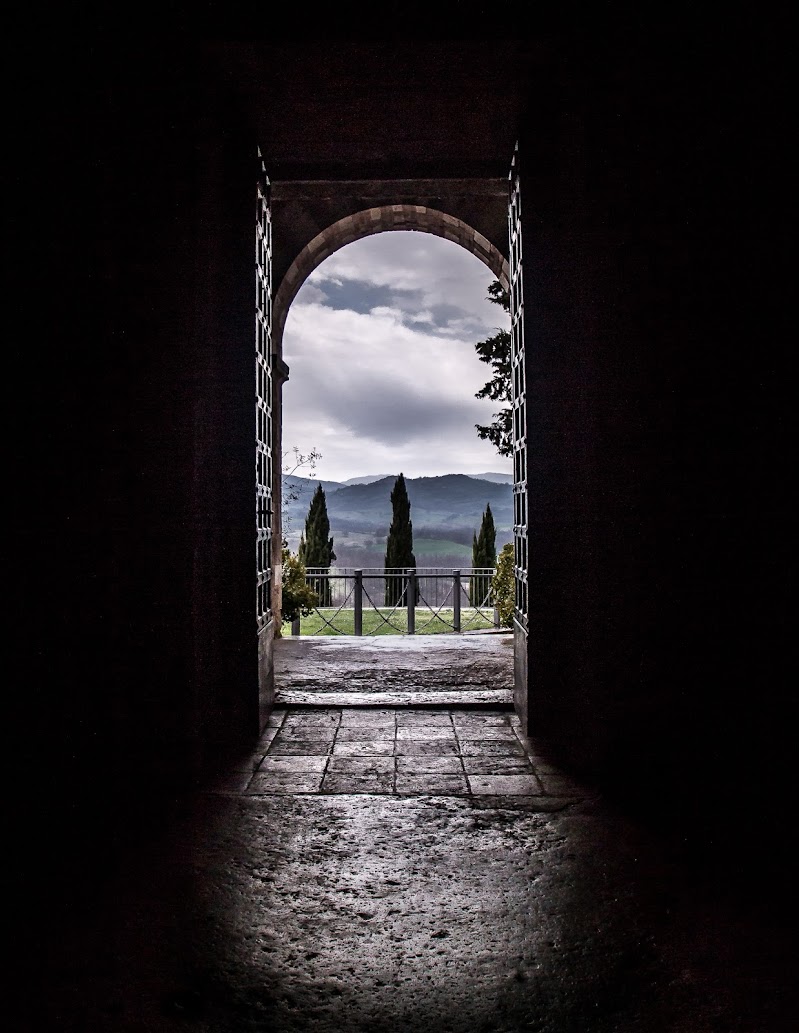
(496, 352)
(316, 545)
(484, 554)
(399, 544)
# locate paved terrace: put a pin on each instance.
(396, 670)
(409, 868)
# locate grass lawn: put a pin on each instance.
(373, 623)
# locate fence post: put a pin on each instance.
(358, 602)
(456, 600)
(411, 601)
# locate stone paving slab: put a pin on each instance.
(358, 784)
(423, 765)
(371, 716)
(485, 732)
(364, 748)
(432, 783)
(427, 718)
(471, 719)
(300, 747)
(422, 732)
(320, 716)
(495, 765)
(362, 732)
(430, 748)
(361, 765)
(302, 763)
(490, 748)
(505, 785)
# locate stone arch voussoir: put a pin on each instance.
(379, 220)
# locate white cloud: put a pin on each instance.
(313, 292)
(442, 271)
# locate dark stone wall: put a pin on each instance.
(222, 362)
(658, 499)
(135, 540)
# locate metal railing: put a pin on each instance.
(407, 601)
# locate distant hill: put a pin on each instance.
(452, 502)
(499, 478)
(307, 486)
(368, 480)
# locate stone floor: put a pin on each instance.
(396, 670)
(401, 752)
(411, 868)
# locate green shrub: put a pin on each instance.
(299, 599)
(503, 586)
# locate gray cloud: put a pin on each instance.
(380, 341)
(442, 275)
(388, 412)
(360, 296)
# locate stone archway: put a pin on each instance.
(354, 227)
(379, 220)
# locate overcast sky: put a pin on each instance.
(380, 343)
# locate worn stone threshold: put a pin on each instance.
(490, 698)
(519, 801)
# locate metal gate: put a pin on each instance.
(519, 394)
(263, 398)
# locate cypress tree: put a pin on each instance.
(399, 544)
(484, 554)
(316, 544)
(474, 588)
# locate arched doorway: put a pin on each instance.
(421, 218)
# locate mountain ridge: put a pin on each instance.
(499, 478)
(448, 501)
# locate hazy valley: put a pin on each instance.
(445, 511)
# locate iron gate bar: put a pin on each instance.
(359, 602)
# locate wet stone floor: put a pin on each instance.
(401, 751)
